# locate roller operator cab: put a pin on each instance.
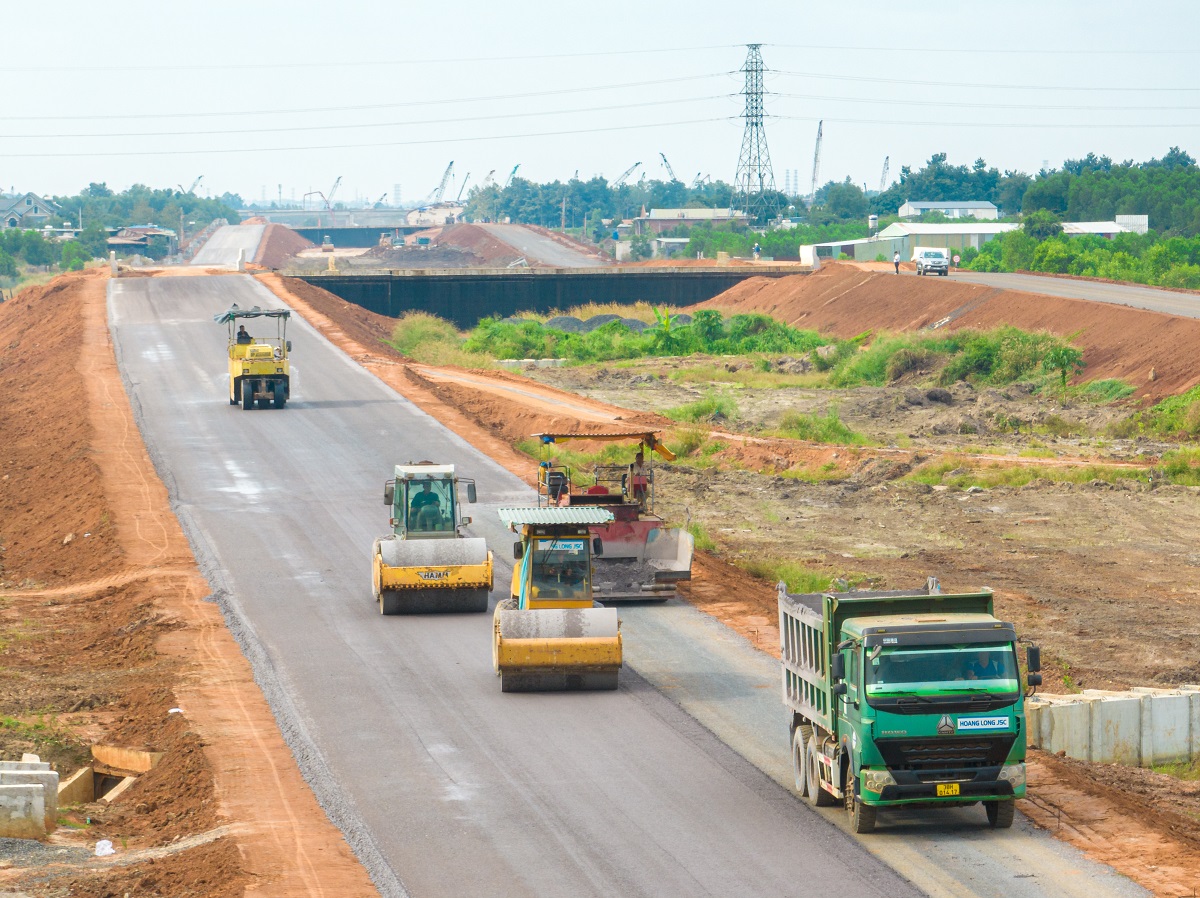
(645, 559)
(259, 368)
(904, 698)
(428, 565)
(551, 635)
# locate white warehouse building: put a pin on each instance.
(981, 210)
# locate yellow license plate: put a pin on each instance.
(946, 789)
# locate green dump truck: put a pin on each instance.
(904, 698)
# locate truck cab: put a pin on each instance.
(919, 703)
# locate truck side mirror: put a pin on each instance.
(839, 689)
(470, 492)
(597, 547)
(289, 345)
(837, 668)
(389, 492)
(1033, 658)
(1034, 679)
(517, 551)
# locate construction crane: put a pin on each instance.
(512, 174)
(697, 181)
(462, 187)
(883, 177)
(379, 202)
(490, 179)
(812, 194)
(667, 165)
(642, 179)
(625, 174)
(440, 190)
(191, 189)
(327, 198)
(575, 177)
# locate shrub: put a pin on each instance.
(711, 408)
(819, 429)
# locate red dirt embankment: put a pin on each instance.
(105, 626)
(1116, 341)
(279, 243)
(491, 251)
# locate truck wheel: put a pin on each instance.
(1000, 813)
(800, 762)
(817, 797)
(247, 395)
(862, 816)
(280, 395)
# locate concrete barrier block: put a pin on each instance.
(1116, 730)
(23, 765)
(1060, 723)
(79, 787)
(1167, 728)
(47, 781)
(22, 811)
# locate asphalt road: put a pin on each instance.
(1168, 301)
(221, 249)
(444, 785)
(537, 247)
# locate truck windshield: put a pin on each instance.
(970, 667)
(560, 569)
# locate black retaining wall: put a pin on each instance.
(465, 297)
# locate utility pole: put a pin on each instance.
(754, 175)
(562, 224)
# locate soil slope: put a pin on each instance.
(844, 300)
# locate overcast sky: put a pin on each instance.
(274, 98)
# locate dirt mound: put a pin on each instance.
(279, 243)
(843, 300)
(490, 251)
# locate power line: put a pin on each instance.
(308, 64)
(958, 84)
(353, 146)
(1031, 106)
(1042, 125)
(373, 106)
(975, 50)
(393, 124)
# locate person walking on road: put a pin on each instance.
(896, 260)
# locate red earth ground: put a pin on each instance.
(105, 631)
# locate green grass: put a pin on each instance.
(1176, 416)
(1103, 391)
(434, 341)
(827, 428)
(1181, 466)
(1189, 771)
(958, 473)
(711, 407)
(704, 542)
(799, 577)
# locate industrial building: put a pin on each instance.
(658, 220)
(902, 236)
(980, 210)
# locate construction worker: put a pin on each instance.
(426, 508)
(242, 336)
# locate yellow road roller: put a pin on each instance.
(427, 565)
(259, 368)
(550, 635)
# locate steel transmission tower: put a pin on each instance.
(754, 180)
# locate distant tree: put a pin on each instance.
(8, 265)
(74, 256)
(640, 248)
(1042, 224)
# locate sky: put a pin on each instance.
(273, 100)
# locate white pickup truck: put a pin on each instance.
(931, 259)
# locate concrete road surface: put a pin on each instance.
(445, 786)
(537, 247)
(222, 248)
(1168, 301)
